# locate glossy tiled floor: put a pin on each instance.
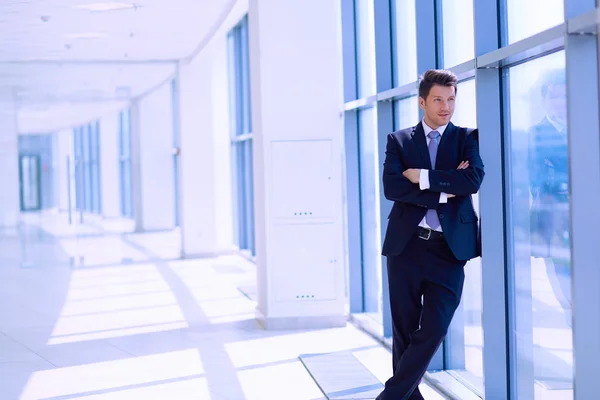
(90, 312)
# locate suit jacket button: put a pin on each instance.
(441, 216)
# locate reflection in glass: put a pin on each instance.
(540, 228)
(370, 215)
(528, 17)
(459, 32)
(405, 41)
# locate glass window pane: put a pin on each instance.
(465, 113)
(87, 173)
(232, 70)
(249, 206)
(370, 212)
(405, 42)
(30, 182)
(241, 191)
(365, 47)
(458, 31)
(465, 337)
(127, 190)
(244, 58)
(126, 129)
(528, 17)
(539, 211)
(406, 112)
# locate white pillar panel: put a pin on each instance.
(109, 166)
(9, 164)
(152, 161)
(205, 203)
(297, 96)
(64, 157)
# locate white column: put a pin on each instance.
(297, 96)
(152, 161)
(109, 166)
(205, 203)
(9, 164)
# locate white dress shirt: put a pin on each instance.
(424, 177)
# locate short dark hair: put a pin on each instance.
(439, 77)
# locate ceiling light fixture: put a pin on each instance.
(87, 35)
(107, 6)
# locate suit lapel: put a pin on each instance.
(418, 138)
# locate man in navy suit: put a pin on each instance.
(430, 172)
(548, 158)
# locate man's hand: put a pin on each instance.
(463, 165)
(413, 175)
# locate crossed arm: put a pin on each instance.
(402, 184)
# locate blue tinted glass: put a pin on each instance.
(539, 209)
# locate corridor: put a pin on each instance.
(90, 311)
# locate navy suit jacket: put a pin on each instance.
(408, 149)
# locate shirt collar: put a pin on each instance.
(557, 125)
(428, 129)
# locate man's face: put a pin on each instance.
(438, 108)
(555, 102)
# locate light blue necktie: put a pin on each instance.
(432, 217)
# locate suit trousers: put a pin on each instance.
(425, 283)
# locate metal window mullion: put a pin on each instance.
(354, 220)
(385, 125)
(582, 73)
(353, 242)
(349, 51)
(534, 46)
(439, 33)
(574, 8)
(492, 203)
(427, 47)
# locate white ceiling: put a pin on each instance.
(61, 79)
